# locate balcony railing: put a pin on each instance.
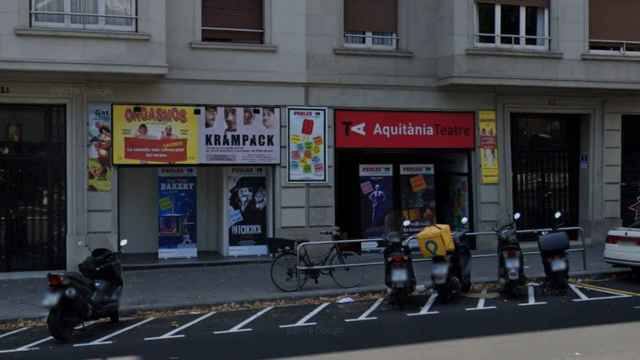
(614, 46)
(84, 21)
(513, 41)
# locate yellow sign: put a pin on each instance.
(489, 147)
(150, 134)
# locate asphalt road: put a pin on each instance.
(589, 322)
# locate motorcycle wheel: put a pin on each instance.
(115, 317)
(444, 294)
(60, 329)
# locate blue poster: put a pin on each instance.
(376, 198)
(177, 204)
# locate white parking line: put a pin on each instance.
(481, 303)
(532, 296)
(172, 334)
(14, 332)
(103, 340)
(28, 347)
(583, 297)
(303, 321)
(427, 307)
(239, 328)
(365, 315)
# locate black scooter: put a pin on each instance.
(94, 293)
(553, 250)
(399, 276)
(510, 259)
(451, 274)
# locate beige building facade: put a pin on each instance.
(551, 78)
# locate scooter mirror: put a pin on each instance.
(81, 243)
(517, 216)
(558, 215)
(124, 242)
(406, 223)
(465, 220)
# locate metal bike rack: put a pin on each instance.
(304, 245)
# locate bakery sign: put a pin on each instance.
(402, 130)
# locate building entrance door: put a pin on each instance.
(630, 186)
(32, 187)
(546, 166)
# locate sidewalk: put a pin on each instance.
(176, 287)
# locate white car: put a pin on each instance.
(623, 246)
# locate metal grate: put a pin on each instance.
(545, 162)
(33, 189)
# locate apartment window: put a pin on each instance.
(119, 15)
(237, 21)
(513, 23)
(371, 24)
(613, 27)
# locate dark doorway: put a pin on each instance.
(32, 187)
(451, 172)
(546, 165)
(630, 186)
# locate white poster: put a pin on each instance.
(307, 144)
(240, 135)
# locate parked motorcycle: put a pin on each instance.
(400, 277)
(510, 259)
(553, 250)
(451, 266)
(91, 294)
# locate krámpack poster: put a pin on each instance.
(240, 135)
(376, 198)
(307, 145)
(99, 168)
(488, 147)
(418, 195)
(149, 134)
(247, 208)
(177, 213)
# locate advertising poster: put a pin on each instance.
(177, 206)
(488, 147)
(307, 145)
(240, 135)
(459, 190)
(247, 207)
(150, 134)
(99, 168)
(417, 186)
(376, 198)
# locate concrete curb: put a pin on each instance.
(130, 310)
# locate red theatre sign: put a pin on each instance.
(403, 130)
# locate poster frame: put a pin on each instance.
(325, 129)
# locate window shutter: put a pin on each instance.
(532, 3)
(371, 15)
(236, 14)
(614, 20)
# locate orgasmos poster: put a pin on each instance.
(150, 134)
(177, 213)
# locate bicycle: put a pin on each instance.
(284, 268)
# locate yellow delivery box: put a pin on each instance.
(435, 240)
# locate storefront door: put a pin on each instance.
(545, 163)
(630, 187)
(32, 187)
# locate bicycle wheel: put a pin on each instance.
(284, 275)
(348, 276)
